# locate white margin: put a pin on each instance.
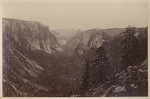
(74, 1)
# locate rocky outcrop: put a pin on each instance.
(30, 35)
(96, 40)
(134, 82)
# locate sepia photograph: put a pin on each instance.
(75, 49)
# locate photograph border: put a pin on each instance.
(22, 1)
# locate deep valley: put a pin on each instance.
(39, 62)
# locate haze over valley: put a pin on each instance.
(75, 49)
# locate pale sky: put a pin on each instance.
(83, 15)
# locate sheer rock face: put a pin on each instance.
(30, 68)
(19, 37)
(29, 34)
(92, 38)
(18, 71)
(96, 40)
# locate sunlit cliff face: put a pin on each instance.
(34, 34)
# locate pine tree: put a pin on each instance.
(129, 50)
(99, 67)
(85, 78)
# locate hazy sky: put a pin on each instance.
(81, 15)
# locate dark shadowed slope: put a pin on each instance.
(29, 70)
(35, 65)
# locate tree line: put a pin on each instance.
(96, 71)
